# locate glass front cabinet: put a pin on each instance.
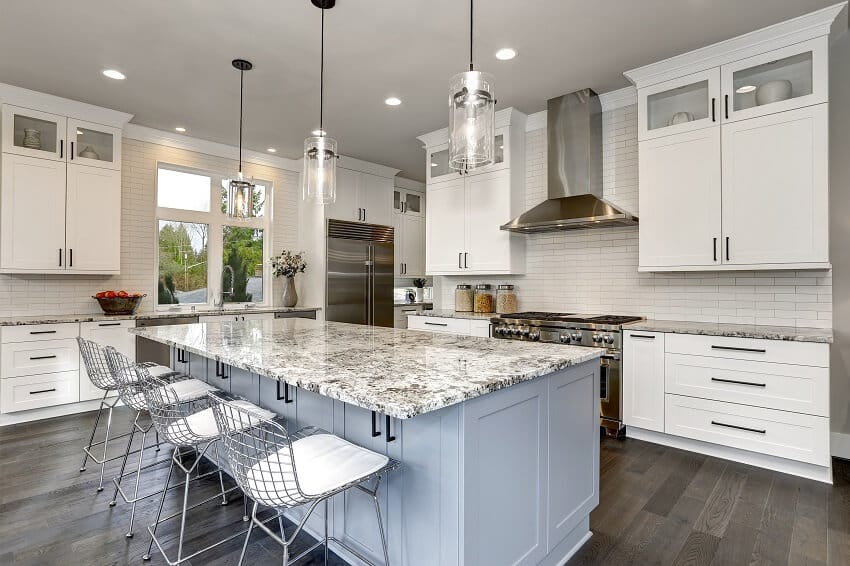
(438, 158)
(679, 105)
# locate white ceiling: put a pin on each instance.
(176, 55)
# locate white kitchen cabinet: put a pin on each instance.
(409, 244)
(680, 195)
(776, 188)
(113, 333)
(643, 380)
(401, 314)
(438, 169)
(362, 197)
(679, 105)
(44, 133)
(449, 325)
(408, 202)
(445, 226)
(32, 214)
(93, 219)
(95, 145)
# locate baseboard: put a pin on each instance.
(839, 445)
(801, 469)
(50, 412)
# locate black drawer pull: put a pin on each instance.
(109, 324)
(181, 356)
(748, 429)
(753, 383)
(43, 391)
(437, 323)
(43, 357)
(43, 332)
(221, 370)
(285, 397)
(643, 336)
(736, 349)
(390, 437)
(375, 431)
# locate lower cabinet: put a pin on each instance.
(643, 380)
(37, 391)
(401, 314)
(109, 333)
(450, 325)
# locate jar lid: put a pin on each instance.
(463, 286)
(506, 287)
(483, 286)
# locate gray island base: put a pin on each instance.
(498, 439)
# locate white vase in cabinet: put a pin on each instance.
(23, 126)
(643, 380)
(679, 105)
(93, 144)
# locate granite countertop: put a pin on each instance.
(396, 372)
(418, 304)
(789, 333)
(92, 317)
(446, 313)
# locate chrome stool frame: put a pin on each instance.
(263, 458)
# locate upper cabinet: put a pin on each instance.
(362, 197)
(409, 224)
(734, 151)
(94, 145)
(34, 133)
(466, 209)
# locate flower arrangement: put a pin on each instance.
(288, 264)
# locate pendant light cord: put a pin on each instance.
(241, 88)
(470, 35)
(322, 77)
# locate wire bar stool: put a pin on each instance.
(191, 427)
(282, 470)
(102, 377)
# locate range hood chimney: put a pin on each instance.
(574, 132)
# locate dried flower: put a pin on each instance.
(288, 264)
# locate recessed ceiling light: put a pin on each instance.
(180, 129)
(433, 164)
(745, 89)
(271, 150)
(392, 101)
(319, 133)
(113, 74)
(505, 54)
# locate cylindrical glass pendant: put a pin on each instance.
(240, 197)
(472, 120)
(319, 184)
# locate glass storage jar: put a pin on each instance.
(505, 299)
(463, 298)
(485, 299)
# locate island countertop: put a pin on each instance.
(396, 372)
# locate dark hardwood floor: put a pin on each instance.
(658, 506)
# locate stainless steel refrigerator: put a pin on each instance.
(360, 273)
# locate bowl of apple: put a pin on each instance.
(118, 302)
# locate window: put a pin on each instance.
(203, 257)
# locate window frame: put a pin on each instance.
(216, 221)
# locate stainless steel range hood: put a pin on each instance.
(574, 131)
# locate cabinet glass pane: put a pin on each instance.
(413, 202)
(242, 268)
(773, 82)
(397, 200)
(677, 106)
(440, 163)
(34, 133)
(499, 153)
(92, 144)
(182, 263)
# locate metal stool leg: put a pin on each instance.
(326, 532)
(183, 516)
(93, 431)
(147, 556)
(136, 488)
(126, 455)
(220, 475)
(380, 522)
(105, 446)
(247, 536)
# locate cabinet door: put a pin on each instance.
(643, 380)
(376, 194)
(32, 215)
(93, 236)
(94, 144)
(346, 207)
(776, 188)
(776, 81)
(501, 153)
(488, 205)
(33, 133)
(107, 333)
(445, 227)
(680, 200)
(398, 243)
(437, 166)
(413, 245)
(679, 105)
(414, 203)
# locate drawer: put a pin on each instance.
(794, 436)
(36, 332)
(36, 391)
(776, 351)
(45, 356)
(786, 387)
(438, 324)
(480, 328)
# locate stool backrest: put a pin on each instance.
(127, 377)
(97, 366)
(259, 451)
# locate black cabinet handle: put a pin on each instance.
(61, 149)
(737, 349)
(221, 370)
(713, 103)
(726, 105)
(465, 257)
(285, 397)
(43, 391)
(71, 257)
(109, 324)
(714, 247)
(643, 336)
(375, 431)
(727, 248)
(42, 357)
(60, 257)
(748, 429)
(390, 437)
(436, 323)
(459, 259)
(752, 383)
(42, 332)
(364, 215)
(181, 356)
(72, 151)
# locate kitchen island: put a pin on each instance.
(499, 440)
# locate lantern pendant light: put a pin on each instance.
(240, 190)
(320, 154)
(472, 116)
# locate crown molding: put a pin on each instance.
(409, 184)
(353, 164)
(34, 100)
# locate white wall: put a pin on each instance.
(71, 294)
(596, 270)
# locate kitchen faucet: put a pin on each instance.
(224, 270)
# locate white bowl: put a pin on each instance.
(773, 91)
(680, 118)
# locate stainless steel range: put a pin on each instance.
(601, 331)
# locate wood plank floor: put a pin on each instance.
(658, 506)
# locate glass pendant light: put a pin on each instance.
(240, 189)
(320, 155)
(472, 116)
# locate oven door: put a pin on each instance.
(610, 398)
